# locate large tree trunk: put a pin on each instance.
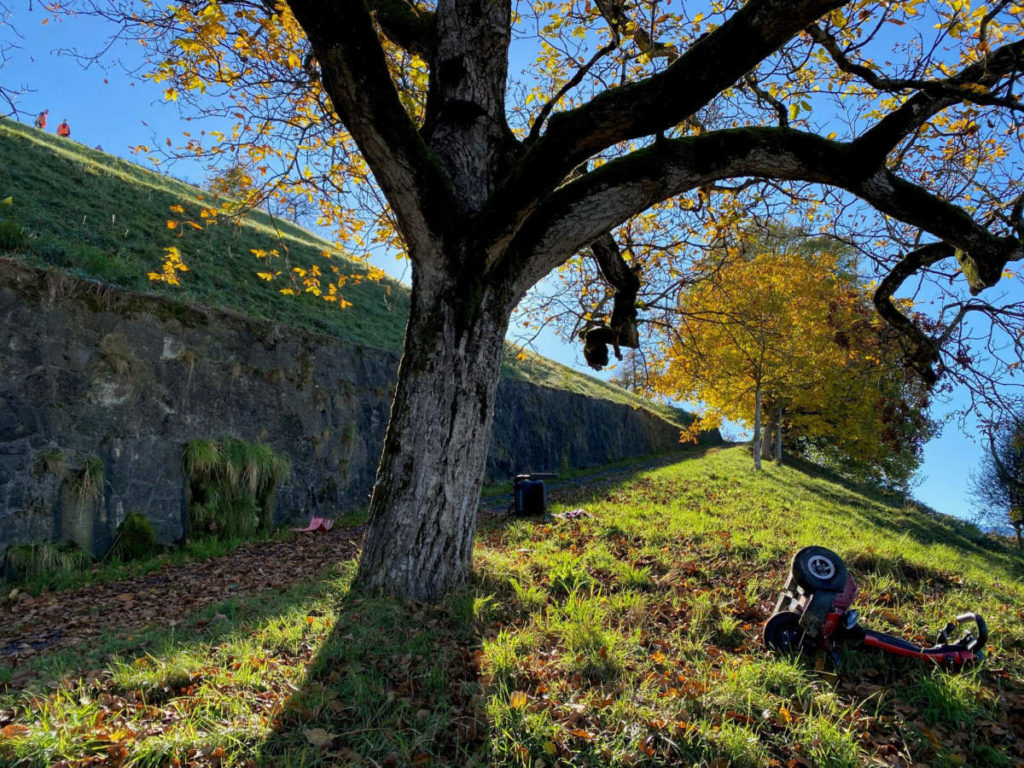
(419, 535)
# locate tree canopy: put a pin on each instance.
(783, 333)
(493, 143)
(8, 92)
(998, 485)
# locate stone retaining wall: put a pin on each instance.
(86, 371)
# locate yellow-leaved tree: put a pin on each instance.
(784, 335)
(493, 142)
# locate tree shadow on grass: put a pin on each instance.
(208, 625)
(394, 684)
(187, 695)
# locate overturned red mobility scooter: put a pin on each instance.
(813, 612)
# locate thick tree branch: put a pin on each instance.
(934, 96)
(355, 76)
(622, 331)
(406, 26)
(922, 351)
(579, 212)
(622, 277)
(712, 64)
(465, 121)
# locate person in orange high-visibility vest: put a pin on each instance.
(64, 129)
(41, 119)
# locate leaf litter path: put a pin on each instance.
(56, 620)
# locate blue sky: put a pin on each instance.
(107, 108)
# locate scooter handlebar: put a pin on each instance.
(963, 618)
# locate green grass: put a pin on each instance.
(105, 220)
(231, 486)
(44, 561)
(135, 539)
(625, 638)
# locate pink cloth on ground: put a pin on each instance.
(317, 524)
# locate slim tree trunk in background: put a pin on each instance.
(767, 428)
(778, 437)
(757, 427)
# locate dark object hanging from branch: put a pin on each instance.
(622, 332)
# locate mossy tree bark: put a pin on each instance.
(423, 509)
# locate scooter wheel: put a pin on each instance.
(817, 568)
(783, 633)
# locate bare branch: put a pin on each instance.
(767, 98)
(973, 84)
(542, 117)
(922, 351)
(8, 95)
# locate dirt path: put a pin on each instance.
(55, 620)
(559, 489)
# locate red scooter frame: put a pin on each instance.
(813, 611)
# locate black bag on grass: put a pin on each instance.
(529, 496)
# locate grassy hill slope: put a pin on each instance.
(106, 219)
(625, 637)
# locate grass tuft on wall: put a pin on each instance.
(42, 558)
(231, 486)
(85, 484)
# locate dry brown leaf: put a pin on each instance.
(319, 738)
(13, 731)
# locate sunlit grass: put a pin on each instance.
(625, 638)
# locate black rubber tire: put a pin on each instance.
(817, 568)
(782, 633)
